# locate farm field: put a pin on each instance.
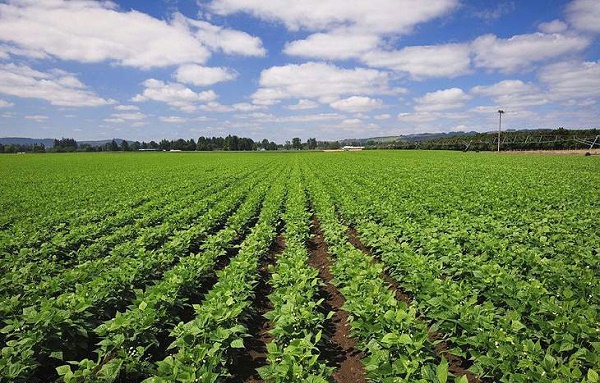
(375, 266)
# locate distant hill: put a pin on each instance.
(49, 142)
(406, 138)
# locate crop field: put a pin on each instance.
(299, 267)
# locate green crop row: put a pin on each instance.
(58, 329)
(510, 326)
(395, 340)
(297, 318)
(127, 340)
(202, 346)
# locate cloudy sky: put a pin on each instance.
(329, 69)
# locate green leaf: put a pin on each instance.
(462, 379)
(237, 343)
(592, 376)
(405, 339)
(442, 371)
(143, 305)
(57, 355)
(66, 369)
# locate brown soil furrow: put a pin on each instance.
(340, 347)
(456, 364)
(254, 355)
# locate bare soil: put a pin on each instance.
(340, 348)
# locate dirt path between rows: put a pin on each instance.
(340, 349)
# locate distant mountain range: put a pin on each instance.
(49, 142)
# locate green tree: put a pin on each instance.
(296, 143)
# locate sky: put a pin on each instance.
(278, 69)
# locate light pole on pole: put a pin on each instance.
(500, 111)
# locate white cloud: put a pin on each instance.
(181, 120)
(173, 119)
(214, 106)
(246, 107)
(6, 104)
(442, 100)
(554, 26)
(583, 15)
(327, 83)
(521, 51)
(267, 117)
(356, 104)
(501, 9)
(37, 117)
(421, 62)
(228, 41)
(342, 43)
(384, 116)
(303, 104)
(56, 87)
(568, 80)
(127, 107)
(381, 16)
(98, 31)
(203, 76)
(514, 94)
(122, 117)
(174, 94)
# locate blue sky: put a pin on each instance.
(330, 69)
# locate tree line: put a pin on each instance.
(204, 144)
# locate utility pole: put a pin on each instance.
(500, 111)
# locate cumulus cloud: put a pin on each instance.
(567, 80)
(6, 104)
(520, 51)
(57, 87)
(122, 117)
(37, 117)
(173, 119)
(554, 26)
(514, 94)
(174, 94)
(228, 41)
(421, 62)
(356, 104)
(342, 43)
(324, 82)
(203, 76)
(98, 31)
(246, 107)
(381, 16)
(442, 100)
(127, 107)
(583, 15)
(384, 116)
(303, 104)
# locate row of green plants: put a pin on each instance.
(59, 328)
(297, 317)
(49, 221)
(131, 338)
(19, 294)
(510, 325)
(46, 275)
(204, 346)
(394, 339)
